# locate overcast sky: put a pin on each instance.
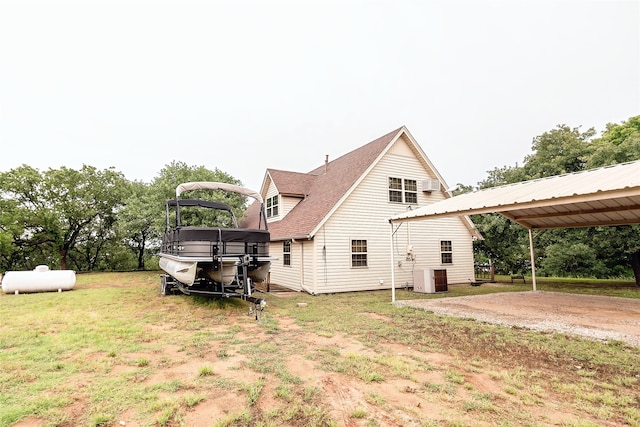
(249, 85)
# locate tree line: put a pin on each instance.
(90, 219)
(600, 252)
(97, 220)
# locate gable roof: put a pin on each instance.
(323, 190)
(605, 196)
(295, 184)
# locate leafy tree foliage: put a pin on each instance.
(570, 259)
(89, 219)
(139, 222)
(559, 151)
(505, 244)
(598, 251)
(619, 143)
(164, 186)
(53, 217)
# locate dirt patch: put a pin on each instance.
(591, 316)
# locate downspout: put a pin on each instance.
(533, 263)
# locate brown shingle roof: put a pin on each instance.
(292, 183)
(323, 190)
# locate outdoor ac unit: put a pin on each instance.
(424, 281)
(429, 185)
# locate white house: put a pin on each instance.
(330, 227)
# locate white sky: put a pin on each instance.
(249, 85)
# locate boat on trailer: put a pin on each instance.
(210, 260)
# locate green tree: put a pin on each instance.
(564, 150)
(505, 243)
(559, 151)
(139, 222)
(164, 186)
(12, 230)
(619, 143)
(56, 208)
(570, 259)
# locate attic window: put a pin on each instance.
(403, 190)
(272, 206)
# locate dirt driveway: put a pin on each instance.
(592, 316)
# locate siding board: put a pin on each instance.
(363, 215)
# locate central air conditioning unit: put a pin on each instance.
(424, 281)
(429, 185)
(430, 281)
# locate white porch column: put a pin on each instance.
(533, 262)
(393, 269)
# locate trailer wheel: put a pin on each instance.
(165, 286)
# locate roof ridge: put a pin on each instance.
(362, 147)
(327, 186)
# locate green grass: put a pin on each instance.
(88, 356)
(609, 287)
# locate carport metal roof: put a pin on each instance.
(605, 196)
(597, 197)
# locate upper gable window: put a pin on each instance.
(272, 206)
(403, 190)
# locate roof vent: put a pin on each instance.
(429, 185)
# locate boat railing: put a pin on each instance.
(209, 249)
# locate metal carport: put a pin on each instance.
(597, 197)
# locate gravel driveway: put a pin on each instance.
(591, 316)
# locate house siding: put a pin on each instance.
(364, 216)
(286, 275)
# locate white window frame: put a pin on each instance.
(401, 188)
(286, 255)
(358, 254)
(273, 206)
(446, 251)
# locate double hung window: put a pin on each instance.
(272, 206)
(403, 190)
(286, 252)
(446, 252)
(358, 253)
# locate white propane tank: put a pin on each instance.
(41, 279)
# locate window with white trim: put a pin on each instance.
(286, 252)
(358, 253)
(446, 252)
(272, 206)
(403, 190)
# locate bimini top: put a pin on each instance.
(605, 196)
(204, 185)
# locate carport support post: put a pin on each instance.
(393, 267)
(533, 263)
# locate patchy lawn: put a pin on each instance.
(114, 352)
